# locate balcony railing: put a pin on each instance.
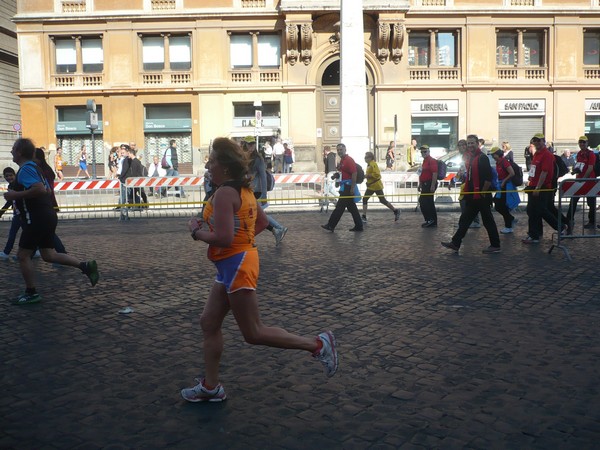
(77, 80)
(167, 78)
(434, 74)
(254, 3)
(433, 2)
(73, 6)
(162, 5)
(254, 76)
(522, 73)
(592, 74)
(522, 2)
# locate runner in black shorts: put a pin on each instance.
(38, 217)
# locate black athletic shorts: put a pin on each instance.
(40, 233)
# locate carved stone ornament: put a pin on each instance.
(383, 41)
(291, 37)
(398, 33)
(306, 36)
(334, 39)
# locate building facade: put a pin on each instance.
(10, 115)
(192, 70)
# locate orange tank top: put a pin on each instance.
(244, 221)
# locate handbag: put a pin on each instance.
(164, 163)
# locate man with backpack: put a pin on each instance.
(584, 168)
(428, 177)
(348, 192)
(540, 191)
(478, 198)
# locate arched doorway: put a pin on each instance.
(328, 104)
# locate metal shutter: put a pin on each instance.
(518, 131)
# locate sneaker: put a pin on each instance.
(36, 254)
(356, 229)
(91, 270)
(364, 218)
(328, 353)
(199, 393)
(279, 235)
(429, 224)
(450, 245)
(530, 240)
(28, 299)
(475, 225)
(327, 227)
(506, 230)
(396, 215)
(590, 226)
(491, 249)
(4, 255)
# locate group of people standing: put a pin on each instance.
(279, 157)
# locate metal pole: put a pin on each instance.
(93, 155)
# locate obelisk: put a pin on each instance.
(354, 114)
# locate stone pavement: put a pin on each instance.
(437, 350)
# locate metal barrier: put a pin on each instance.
(103, 198)
(575, 188)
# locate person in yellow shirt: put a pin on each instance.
(375, 186)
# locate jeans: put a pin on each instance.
(174, 173)
(15, 224)
(272, 222)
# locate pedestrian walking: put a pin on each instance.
(504, 199)
(540, 192)
(584, 168)
(348, 192)
(375, 186)
(478, 198)
(232, 219)
(38, 219)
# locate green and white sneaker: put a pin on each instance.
(91, 270)
(28, 299)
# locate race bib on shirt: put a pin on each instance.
(580, 166)
(532, 171)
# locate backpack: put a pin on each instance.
(560, 169)
(517, 179)
(270, 181)
(360, 174)
(442, 170)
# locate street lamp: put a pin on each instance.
(257, 120)
(92, 124)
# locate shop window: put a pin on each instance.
(521, 54)
(78, 55)
(255, 57)
(244, 114)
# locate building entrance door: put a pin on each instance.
(328, 114)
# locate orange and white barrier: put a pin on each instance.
(62, 186)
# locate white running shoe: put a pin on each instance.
(328, 353)
(506, 230)
(279, 234)
(199, 393)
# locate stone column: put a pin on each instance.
(354, 110)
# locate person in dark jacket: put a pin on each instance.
(478, 198)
